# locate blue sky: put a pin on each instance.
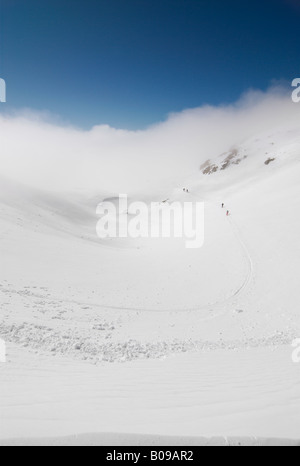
(128, 63)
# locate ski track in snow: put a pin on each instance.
(96, 343)
(247, 257)
(197, 308)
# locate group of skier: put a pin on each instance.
(185, 190)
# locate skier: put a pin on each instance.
(227, 213)
(223, 205)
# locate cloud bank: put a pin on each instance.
(45, 155)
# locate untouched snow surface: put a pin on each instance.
(147, 337)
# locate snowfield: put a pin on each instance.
(147, 337)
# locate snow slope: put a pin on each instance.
(147, 337)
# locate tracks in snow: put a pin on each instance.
(211, 310)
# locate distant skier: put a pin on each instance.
(223, 205)
(227, 213)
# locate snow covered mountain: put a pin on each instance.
(153, 338)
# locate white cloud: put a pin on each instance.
(43, 154)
